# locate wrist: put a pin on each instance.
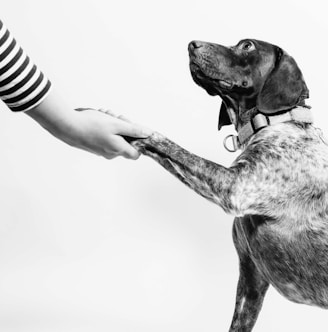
(58, 118)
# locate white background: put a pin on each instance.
(88, 244)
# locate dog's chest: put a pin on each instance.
(284, 174)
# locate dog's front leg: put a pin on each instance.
(208, 179)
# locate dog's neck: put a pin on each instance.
(245, 116)
(244, 110)
(253, 121)
(241, 111)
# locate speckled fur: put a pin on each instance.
(278, 191)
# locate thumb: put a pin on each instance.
(133, 130)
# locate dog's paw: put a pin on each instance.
(149, 143)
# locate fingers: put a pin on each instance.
(107, 111)
(125, 127)
(102, 110)
(81, 109)
(119, 147)
(109, 133)
(124, 118)
(132, 130)
(131, 153)
(120, 117)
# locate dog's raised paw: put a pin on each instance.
(143, 144)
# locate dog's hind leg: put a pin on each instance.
(250, 294)
(251, 290)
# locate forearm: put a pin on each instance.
(57, 117)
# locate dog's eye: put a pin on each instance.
(247, 46)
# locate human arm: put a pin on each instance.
(24, 88)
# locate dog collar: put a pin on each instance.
(259, 121)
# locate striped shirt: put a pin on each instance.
(22, 85)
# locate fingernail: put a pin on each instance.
(146, 132)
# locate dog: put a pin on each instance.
(277, 188)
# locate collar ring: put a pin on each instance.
(235, 143)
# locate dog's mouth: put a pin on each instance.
(209, 81)
(225, 84)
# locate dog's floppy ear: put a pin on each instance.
(284, 88)
(224, 119)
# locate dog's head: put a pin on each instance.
(251, 74)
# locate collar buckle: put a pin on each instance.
(259, 121)
(235, 143)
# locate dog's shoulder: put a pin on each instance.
(286, 167)
(287, 143)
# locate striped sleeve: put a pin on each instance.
(22, 85)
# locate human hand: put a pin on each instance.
(97, 132)
(107, 134)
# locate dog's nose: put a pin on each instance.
(195, 44)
